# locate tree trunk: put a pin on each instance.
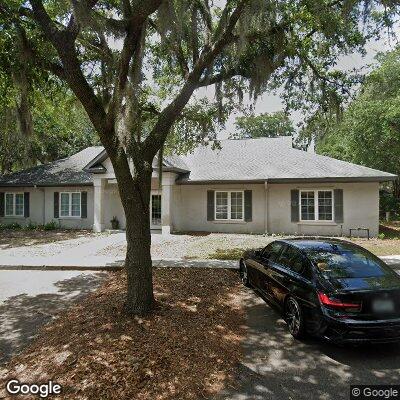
(138, 264)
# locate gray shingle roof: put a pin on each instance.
(68, 171)
(271, 159)
(264, 159)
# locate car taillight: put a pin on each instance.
(338, 304)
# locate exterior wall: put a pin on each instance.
(189, 209)
(69, 222)
(360, 209)
(272, 210)
(36, 206)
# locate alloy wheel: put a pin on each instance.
(293, 317)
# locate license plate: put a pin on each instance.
(383, 306)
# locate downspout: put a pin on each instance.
(266, 206)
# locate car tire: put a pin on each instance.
(244, 273)
(294, 318)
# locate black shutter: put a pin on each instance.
(210, 205)
(26, 205)
(2, 204)
(248, 205)
(338, 202)
(56, 204)
(84, 205)
(294, 202)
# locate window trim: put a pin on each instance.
(14, 215)
(316, 205)
(229, 192)
(70, 205)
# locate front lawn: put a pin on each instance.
(187, 349)
(10, 238)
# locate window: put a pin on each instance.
(272, 251)
(229, 206)
(292, 259)
(316, 205)
(156, 209)
(14, 205)
(70, 204)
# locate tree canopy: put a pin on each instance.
(369, 131)
(263, 125)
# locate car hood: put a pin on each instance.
(371, 283)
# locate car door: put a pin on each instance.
(269, 255)
(285, 273)
(292, 274)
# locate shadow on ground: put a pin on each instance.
(21, 316)
(276, 366)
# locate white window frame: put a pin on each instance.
(14, 205)
(229, 192)
(70, 205)
(316, 205)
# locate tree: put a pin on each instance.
(134, 66)
(60, 128)
(264, 125)
(369, 131)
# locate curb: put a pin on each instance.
(118, 266)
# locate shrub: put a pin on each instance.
(51, 226)
(31, 226)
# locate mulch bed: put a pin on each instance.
(188, 348)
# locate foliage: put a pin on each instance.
(60, 128)
(264, 125)
(369, 132)
(51, 226)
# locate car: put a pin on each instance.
(328, 288)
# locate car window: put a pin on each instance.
(272, 251)
(343, 261)
(291, 258)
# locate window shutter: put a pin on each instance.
(294, 196)
(56, 204)
(26, 205)
(248, 205)
(210, 205)
(338, 202)
(84, 205)
(2, 204)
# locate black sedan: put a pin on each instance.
(327, 288)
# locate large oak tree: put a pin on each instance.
(135, 65)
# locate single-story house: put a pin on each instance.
(247, 186)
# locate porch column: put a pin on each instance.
(98, 199)
(168, 180)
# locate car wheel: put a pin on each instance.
(244, 273)
(294, 318)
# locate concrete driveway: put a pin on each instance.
(276, 366)
(29, 299)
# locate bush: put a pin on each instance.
(389, 203)
(31, 226)
(13, 226)
(51, 226)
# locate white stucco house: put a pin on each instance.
(250, 186)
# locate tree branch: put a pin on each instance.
(170, 113)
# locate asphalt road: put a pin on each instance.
(276, 366)
(29, 299)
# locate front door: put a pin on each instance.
(155, 208)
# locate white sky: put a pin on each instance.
(271, 103)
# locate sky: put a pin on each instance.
(271, 103)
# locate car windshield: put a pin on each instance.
(339, 261)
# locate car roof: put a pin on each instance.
(309, 243)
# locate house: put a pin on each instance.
(250, 186)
